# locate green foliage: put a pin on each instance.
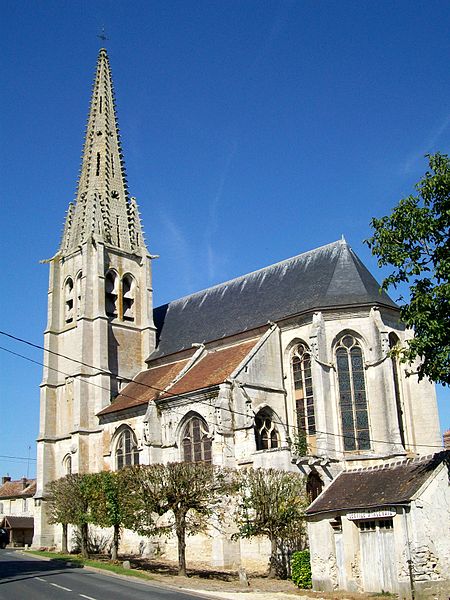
(301, 569)
(300, 443)
(272, 503)
(415, 241)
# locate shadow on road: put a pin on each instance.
(13, 569)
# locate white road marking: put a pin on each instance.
(40, 578)
(60, 587)
(88, 597)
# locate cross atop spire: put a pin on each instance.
(103, 209)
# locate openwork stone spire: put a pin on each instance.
(103, 209)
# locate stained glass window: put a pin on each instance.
(303, 390)
(126, 450)
(196, 442)
(352, 394)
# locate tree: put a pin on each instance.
(69, 500)
(414, 241)
(185, 493)
(109, 503)
(272, 503)
(59, 497)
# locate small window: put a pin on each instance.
(266, 433)
(196, 442)
(68, 300)
(126, 450)
(128, 287)
(111, 294)
(367, 525)
(314, 485)
(24, 505)
(352, 394)
(336, 524)
(67, 465)
(1, 508)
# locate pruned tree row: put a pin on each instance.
(181, 499)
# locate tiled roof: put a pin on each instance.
(145, 387)
(18, 522)
(16, 489)
(327, 277)
(212, 369)
(395, 483)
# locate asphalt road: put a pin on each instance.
(28, 578)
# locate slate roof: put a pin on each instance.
(18, 522)
(387, 485)
(211, 369)
(16, 489)
(329, 276)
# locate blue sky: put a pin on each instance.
(252, 131)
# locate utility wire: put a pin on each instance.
(154, 388)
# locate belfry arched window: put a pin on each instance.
(128, 290)
(126, 449)
(111, 293)
(68, 300)
(303, 390)
(78, 290)
(352, 394)
(266, 432)
(393, 342)
(195, 441)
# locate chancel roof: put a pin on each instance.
(327, 277)
(387, 485)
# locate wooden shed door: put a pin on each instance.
(378, 562)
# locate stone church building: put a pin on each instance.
(285, 367)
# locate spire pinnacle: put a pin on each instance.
(102, 207)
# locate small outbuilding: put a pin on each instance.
(384, 529)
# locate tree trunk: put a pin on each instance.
(273, 559)
(84, 540)
(64, 539)
(115, 544)
(180, 526)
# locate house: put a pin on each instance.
(286, 367)
(17, 509)
(385, 528)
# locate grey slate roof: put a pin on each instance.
(386, 485)
(329, 276)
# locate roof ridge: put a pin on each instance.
(340, 242)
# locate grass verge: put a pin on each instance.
(77, 560)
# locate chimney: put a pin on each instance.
(447, 439)
(5, 478)
(24, 482)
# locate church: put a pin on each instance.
(286, 367)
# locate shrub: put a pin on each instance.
(301, 569)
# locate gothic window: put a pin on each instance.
(78, 288)
(67, 465)
(303, 390)
(111, 294)
(352, 394)
(97, 169)
(393, 341)
(68, 300)
(195, 441)
(266, 433)
(128, 287)
(126, 449)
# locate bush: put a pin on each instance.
(301, 569)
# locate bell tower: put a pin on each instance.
(100, 316)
